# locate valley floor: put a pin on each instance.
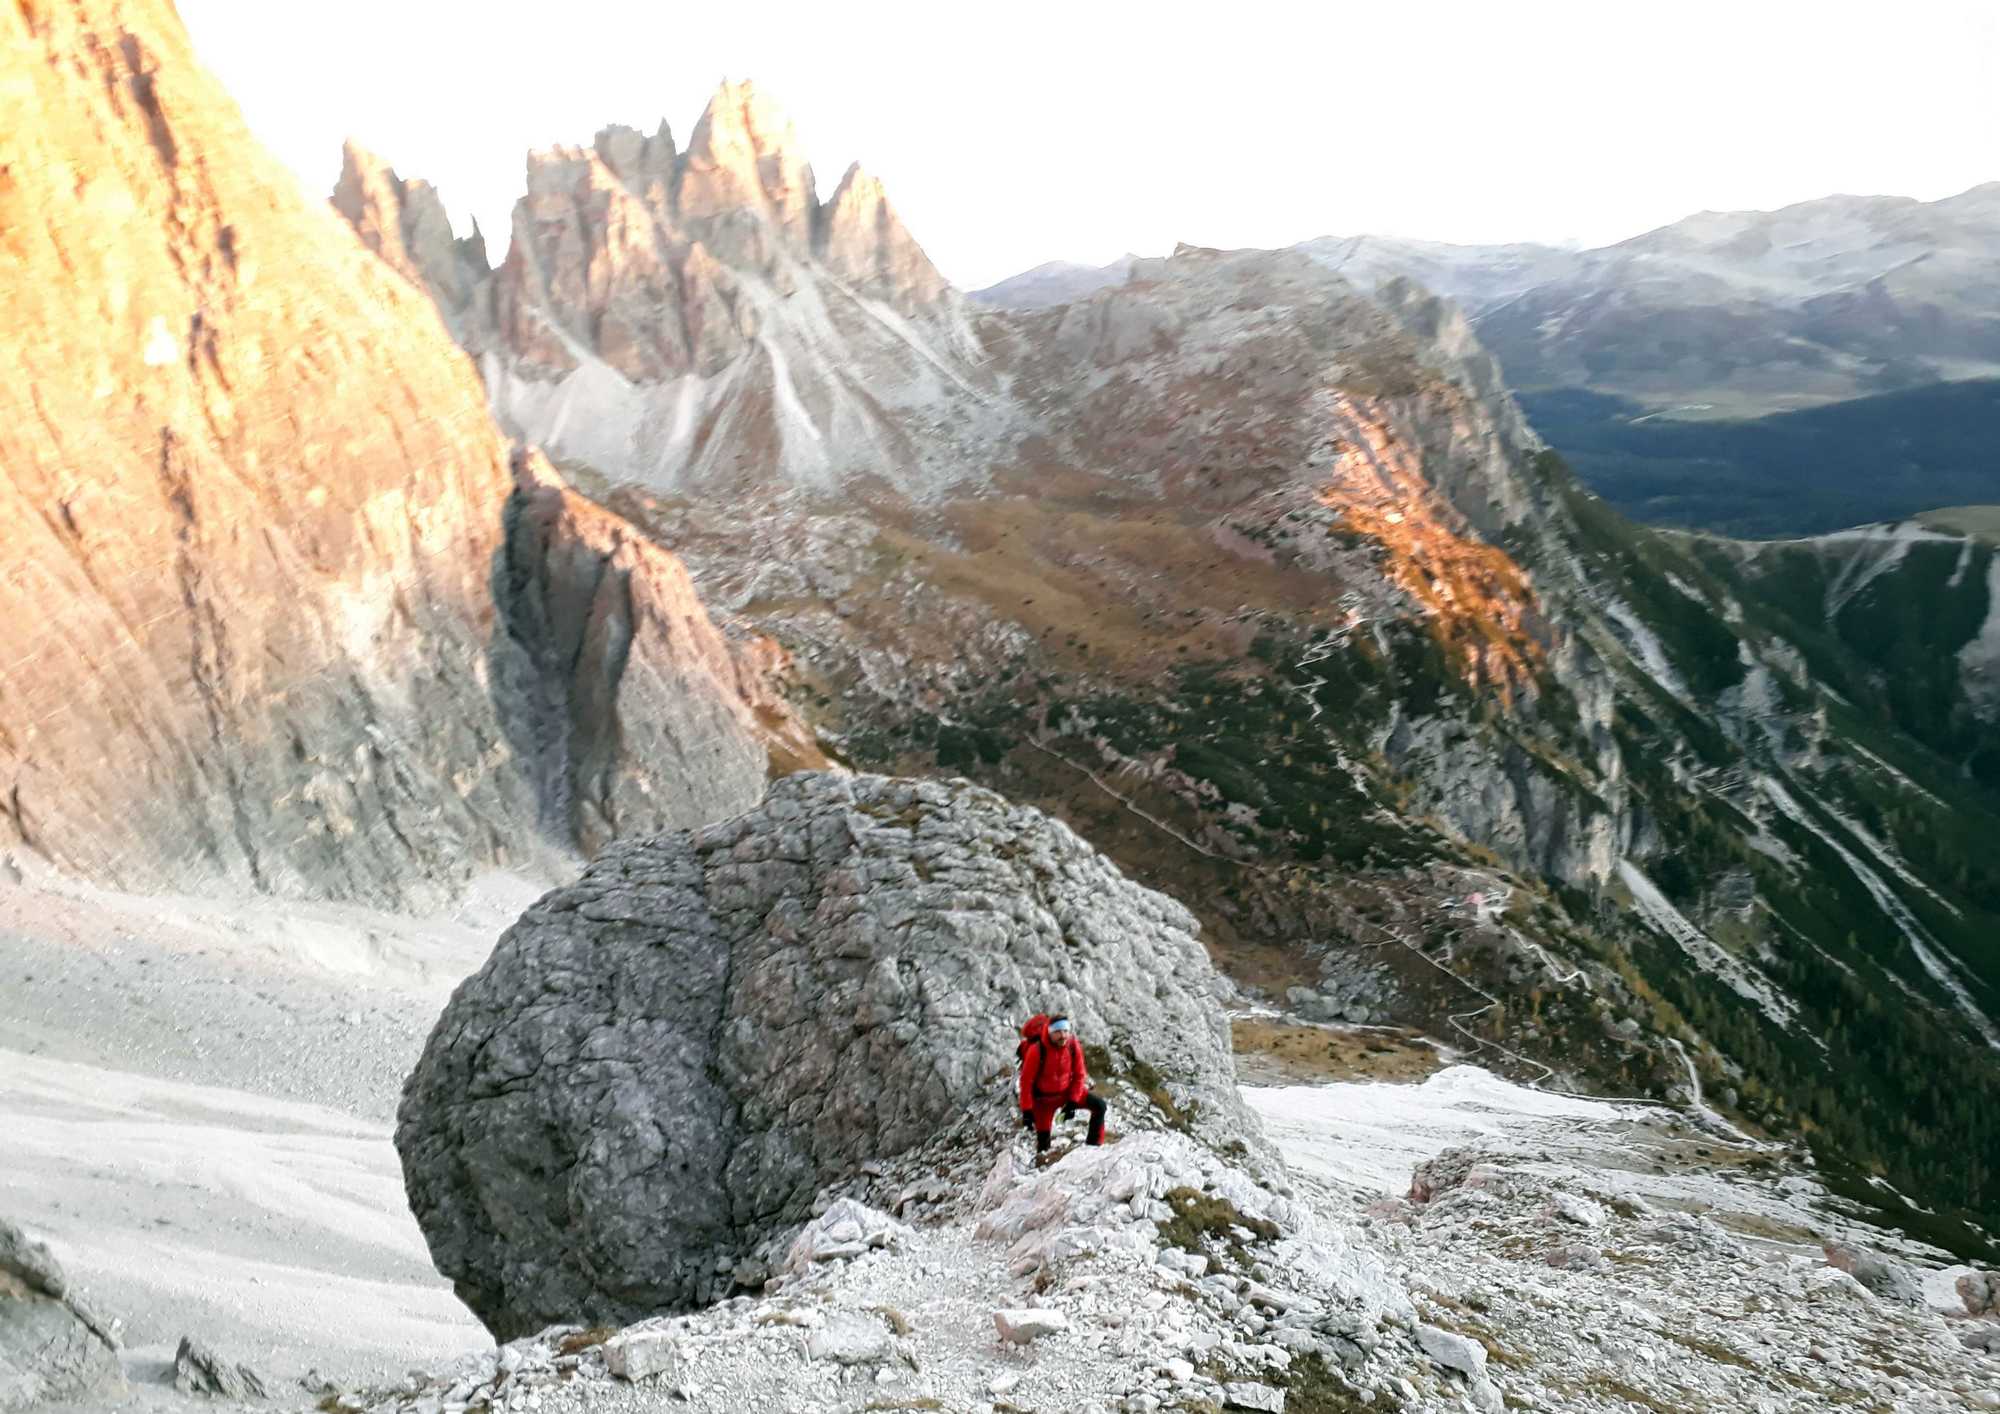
(196, 1104)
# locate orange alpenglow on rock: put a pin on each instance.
(248, 610)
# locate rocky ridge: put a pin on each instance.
(1153, 1275)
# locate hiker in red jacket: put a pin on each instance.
(1054, 1077)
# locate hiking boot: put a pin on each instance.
(1052, 1156)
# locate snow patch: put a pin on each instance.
(1979, 659)
(1367, 1137)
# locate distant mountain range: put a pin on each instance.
(1749, 311)
(1725, 317)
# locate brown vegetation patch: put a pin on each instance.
(1277, 1052)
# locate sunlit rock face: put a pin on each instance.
(257, 505)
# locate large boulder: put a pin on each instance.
(661, 1066)
(52, 1346)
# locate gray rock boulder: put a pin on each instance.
(1890, 1280)
(52, 1346)
(1980, 1291)
(661, 1065)
(200, 1370)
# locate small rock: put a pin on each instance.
(1248, 1395)
(641, 1354)
(1985, 1338)
(850, 1338)
(1454, 1352)
(1889, 1280)
(1584, 1212)
(1980, 1291)
(199, 1370)
(1019, 1327)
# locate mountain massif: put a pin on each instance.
(1259, 578)
(283, 610)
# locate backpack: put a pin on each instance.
(1035, 1033)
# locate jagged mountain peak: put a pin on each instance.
(745, 157)
(404, 222)
(637, 157)
(656, 304)
(864, 241)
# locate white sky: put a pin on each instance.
(1009, 134)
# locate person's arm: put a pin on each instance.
(1031, 1063)
(1079, 1085)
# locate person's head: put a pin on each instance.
(1060, 1031)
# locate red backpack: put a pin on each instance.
(1033, 1033)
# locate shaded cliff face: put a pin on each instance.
(255, 501)
(636, 714)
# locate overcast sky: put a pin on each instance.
(1009, 134)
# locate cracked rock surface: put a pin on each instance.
(661, 1065)
(52, 1346)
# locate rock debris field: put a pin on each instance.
(230, 1207)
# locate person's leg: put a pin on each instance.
(1045, 1120)
(1097, 1108)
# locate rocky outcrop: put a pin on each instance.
(405, 223)
(661, 1066)
(198, 1370)
(256, 502)
(637, 714)
(52, 1346)
(863, 241)
(255, 498)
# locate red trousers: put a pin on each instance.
(1048, 1106)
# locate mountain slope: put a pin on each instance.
(1263, 583)
(1808, 472)
(1054, 282)
(257, 501)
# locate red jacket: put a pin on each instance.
(1051, 1070)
